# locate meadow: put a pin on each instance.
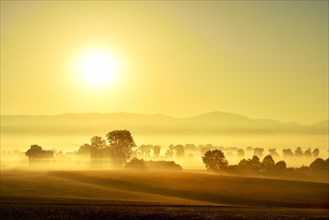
(120, 194)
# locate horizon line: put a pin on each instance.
(163, 115)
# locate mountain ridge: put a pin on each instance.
(211, 123)
(207, 114)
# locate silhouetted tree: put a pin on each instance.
(244, 165)
(258, 151)
(319, 164)
(303, 168)
(98, 142)
(255, 163)
(250, 164)
(205, 148)
(299, 152)
(163, 165)
(190, 147)
(84, 150)
(230, 148)
(280, 166)
(169, 153)
(215, 160)
(121, 145)
(308, 153)
(267, 164)
(135, 163)
(287, 153)
(156, 151)
(180, 152)
(240, 153)
(60, 155)
(36, 153)
(97, 148)
(145, 150)
(316, 152)
(273, 152)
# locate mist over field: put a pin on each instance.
(68, 132)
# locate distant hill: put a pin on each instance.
(209, 123)
(321, 125)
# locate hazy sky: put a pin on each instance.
(256, 58)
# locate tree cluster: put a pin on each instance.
(215, 160)
(148, 151)
(37, 154)
(140, 164)
(118, 150)
(298, 152)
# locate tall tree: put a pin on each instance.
(156, 151)
(316, 152)
(268, 164)
(255, 163)
(84, 150)
(98, 142)
(180, 151)
(287, 153)
(121, 145)
(299, 152)
(98, 145)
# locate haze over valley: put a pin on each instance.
(219, 128)
(164, 110)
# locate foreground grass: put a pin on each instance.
(138, 211)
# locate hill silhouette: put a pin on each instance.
(209, 123)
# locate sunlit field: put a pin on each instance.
(162, 194)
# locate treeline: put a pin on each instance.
(215, 160)
(118, 149)
(115, 151)
(156, 152)
(190, 150)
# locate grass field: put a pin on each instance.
(134, 195)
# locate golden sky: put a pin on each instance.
(256, 58)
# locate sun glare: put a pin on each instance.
(97, 68)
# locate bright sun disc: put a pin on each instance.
(97, 68)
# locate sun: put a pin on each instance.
(97, 68)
